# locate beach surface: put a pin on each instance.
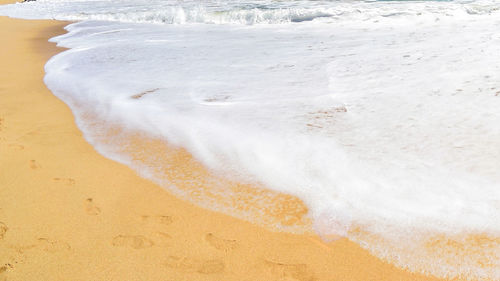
(68, 213)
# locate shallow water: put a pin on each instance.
(381, 116)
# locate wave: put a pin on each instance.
(388, 137)
(247, 12)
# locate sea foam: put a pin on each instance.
(382, 117)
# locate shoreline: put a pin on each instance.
(63, 218)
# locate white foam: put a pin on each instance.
(383, 118)
(246, 12)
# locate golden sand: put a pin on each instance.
(68, 213)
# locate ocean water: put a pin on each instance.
(382, 116)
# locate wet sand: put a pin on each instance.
(68, 213)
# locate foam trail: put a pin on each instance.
(382, 117)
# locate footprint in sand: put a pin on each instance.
(159, 219)
(6, 267)
(3, 230)
(91, 208)
(220, 243)
(284, 271)
(162, 236)
(134, 241)
(52, 246)
(185, 264)
(34, 165)
(161, 239)
(16, 146)
(44, 244)
(3, 270)
(22, 249)
(66, 181)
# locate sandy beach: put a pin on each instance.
(68, 213)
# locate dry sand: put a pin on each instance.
(68, 213)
